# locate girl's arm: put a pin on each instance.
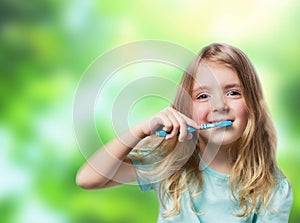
(109, 166)
(110, 162)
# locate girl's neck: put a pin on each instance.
(217, 157)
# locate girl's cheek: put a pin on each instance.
(202, 117)
(199, 114)
(242, 111)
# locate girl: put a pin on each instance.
(216, 175)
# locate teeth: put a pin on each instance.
(221, 121)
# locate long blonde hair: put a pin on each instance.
(253, 157)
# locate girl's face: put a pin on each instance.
(217, 96)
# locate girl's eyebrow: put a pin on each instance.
(232, 85)
(227, 86)
(200, 88)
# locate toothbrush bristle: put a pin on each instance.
(224, 123)
(221, 124)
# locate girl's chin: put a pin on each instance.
(218, 140)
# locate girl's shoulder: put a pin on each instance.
(281, 201)
(283, 187)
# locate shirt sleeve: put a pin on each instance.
(279, 209)
(143, 167)
(143, 182)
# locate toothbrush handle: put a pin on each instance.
(162, 133)
(221, 124)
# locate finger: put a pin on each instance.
(189, 136)
(175, 124)
(166, 122)
(182, 127)
(158, 120)
(190, 122)
(179, 124)
(181, 119)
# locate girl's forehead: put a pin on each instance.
(214, 73)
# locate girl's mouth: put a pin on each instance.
(219, 124)
(221, 120)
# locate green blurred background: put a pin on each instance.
(45, 47)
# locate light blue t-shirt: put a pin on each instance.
(215, 202)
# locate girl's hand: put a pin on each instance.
(172, 121)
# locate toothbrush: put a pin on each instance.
(221, 124)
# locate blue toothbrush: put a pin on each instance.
(162, 133)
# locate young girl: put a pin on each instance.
(216, 175)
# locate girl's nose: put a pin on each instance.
(219, 104)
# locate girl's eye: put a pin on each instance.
(202, 96)
(234, 93)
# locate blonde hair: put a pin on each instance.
(253, 157)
